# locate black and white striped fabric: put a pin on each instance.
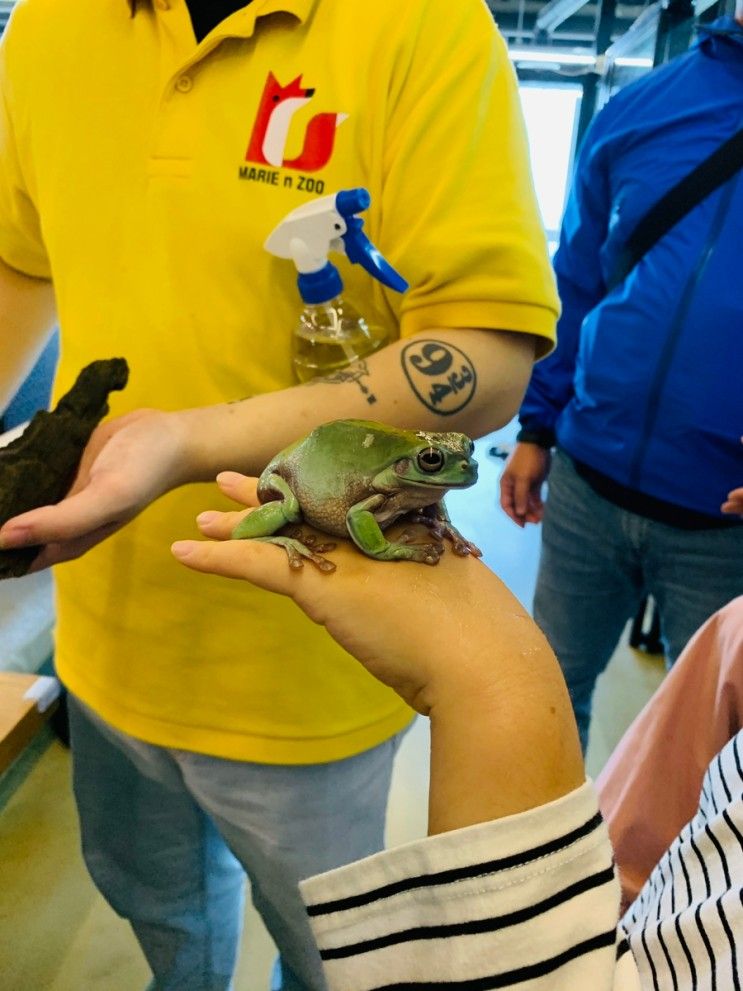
(686, 927)
(531, 901)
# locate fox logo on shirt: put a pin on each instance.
(270, 134)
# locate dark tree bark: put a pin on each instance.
(38, 468)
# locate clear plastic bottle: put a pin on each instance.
(332, 335)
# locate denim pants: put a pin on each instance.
(599, 561)
(169, 835)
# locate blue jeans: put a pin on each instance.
(168, 836)
(597, 564)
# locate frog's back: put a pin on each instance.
(345, 449)
(332, 468)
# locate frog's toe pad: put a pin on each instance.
(311, 540)
(324, 548)
(316, 544)
(465, 548)
(297, 552)
(425, 553)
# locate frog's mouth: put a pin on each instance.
(433, 484)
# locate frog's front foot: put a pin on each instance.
(463, 547)
(412, 533)
(368, 536)
(298, 552)
(429, 553)
(442, 529)
(408, 550)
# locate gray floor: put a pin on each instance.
(56, 934)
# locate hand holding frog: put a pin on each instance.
(451, 641)
(369, 608)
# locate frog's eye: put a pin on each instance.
(431, 460)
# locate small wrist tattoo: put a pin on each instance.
(354, 373)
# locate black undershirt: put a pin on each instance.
(206, 14)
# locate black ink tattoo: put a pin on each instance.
(355, 373)
(441, 375)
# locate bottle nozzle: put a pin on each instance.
(351, 201)
(308, 234)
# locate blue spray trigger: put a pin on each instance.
(310, 232)
(361, 251)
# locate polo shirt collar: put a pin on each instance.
(242, 23)
(301, 9)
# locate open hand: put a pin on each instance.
(451, 640)
(128, 463)
(413, 627)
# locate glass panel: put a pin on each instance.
(631, 56)
(5, 8)
(551, 114)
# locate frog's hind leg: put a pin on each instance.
(271, 516)
(296, 551)
(264, 523)
(315, 543)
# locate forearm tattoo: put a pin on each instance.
(356, 372)
(441, 375)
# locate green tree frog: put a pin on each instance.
(355, 478)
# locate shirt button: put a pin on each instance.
(184, 84)
(162, 4)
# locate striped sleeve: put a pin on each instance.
(684, 927)
(528, 901)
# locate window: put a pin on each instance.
(551, 115)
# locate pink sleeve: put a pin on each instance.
(650, 787)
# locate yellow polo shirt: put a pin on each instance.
(142, 173)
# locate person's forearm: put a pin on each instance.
(27, 315)
(393, 386)
(503, 735)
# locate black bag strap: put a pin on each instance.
(681, 199)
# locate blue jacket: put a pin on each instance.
(646, 382)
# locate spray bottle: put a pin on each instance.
(331, 334)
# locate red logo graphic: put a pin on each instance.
(271, 129)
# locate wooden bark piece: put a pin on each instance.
(39, 467)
